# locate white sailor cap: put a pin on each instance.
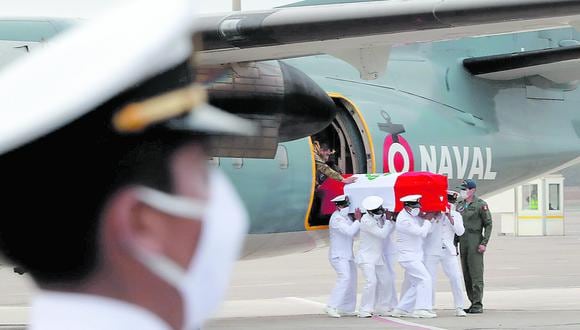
(372, 202)
(112, 58)
(452, 193)
(340, 199)
(411, 199)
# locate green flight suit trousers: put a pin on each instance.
(472, 265)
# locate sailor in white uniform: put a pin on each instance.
(439, 249)
(342, 230)
(374, 230)
(142, 234)
(390, 253)
(416, 295)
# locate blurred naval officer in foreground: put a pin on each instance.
(439, 249)
(342, 230)
(109, 203)
(373, 232)
(416, 295)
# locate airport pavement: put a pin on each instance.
(531, 283)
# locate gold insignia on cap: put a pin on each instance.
(135, 117)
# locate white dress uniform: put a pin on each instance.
(376, 295)
(71, 311)
(342, 231)
(416, 293)
(439, 248)
(390, 253)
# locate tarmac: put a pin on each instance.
(530, 283)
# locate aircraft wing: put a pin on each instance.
(362, 32)
(559, 65)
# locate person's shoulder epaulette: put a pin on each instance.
(483, 204)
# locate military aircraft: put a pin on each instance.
(466, 88)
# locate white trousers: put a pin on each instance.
(377, 293)
(391, 298)
(416, 292)
(343, 296)
(453, 272)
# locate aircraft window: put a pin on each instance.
(530, 197)
(554, 196)
(237, 163)
(282, 157)
(214, 161)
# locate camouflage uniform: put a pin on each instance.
(324, 171)
(476, 217)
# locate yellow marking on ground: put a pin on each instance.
(539, 217)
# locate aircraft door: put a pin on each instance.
(346, 135)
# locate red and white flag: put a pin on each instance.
(390, 187)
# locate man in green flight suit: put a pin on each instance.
(321, 155)
(476, 218)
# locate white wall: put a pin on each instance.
(502, 202)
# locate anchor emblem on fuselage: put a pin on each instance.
(397, 153)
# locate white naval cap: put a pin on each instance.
(340, 199)
(452, 193)
(97, 61)
(411, 198)
(372, 202)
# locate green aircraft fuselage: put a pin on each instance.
(498, 133)
(427, 113)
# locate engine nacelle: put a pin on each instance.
(281, 99)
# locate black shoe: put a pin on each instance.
(475, 310)
(467, 310)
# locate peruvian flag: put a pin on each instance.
(391, 187)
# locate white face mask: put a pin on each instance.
(344, 211)
(463, 194)
(203, 284)
(378, 216)
(415, 212)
